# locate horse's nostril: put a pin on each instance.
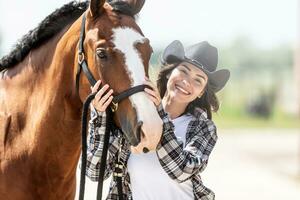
(139, 132)
(145, 150)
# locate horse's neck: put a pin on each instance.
(44, 87)
(59, 75)
(64, 102)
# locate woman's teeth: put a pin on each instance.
(182, 90)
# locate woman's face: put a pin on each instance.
(186, 82)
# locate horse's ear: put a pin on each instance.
(136, 5)
(96, 7)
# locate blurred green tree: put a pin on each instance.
(247, 59)
(257, 74)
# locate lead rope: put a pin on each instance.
(84, 148)
(104, 152)
(118, 172)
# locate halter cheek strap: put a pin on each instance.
(82, 65)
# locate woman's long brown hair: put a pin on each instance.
(207, 102)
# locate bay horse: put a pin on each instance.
(40, 108)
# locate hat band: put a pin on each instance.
(195, 61)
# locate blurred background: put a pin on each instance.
(258, 151)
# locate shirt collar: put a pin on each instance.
(199, 113)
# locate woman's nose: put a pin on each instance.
(186, 83)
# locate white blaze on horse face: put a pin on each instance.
(125, 39)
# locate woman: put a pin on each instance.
(185, 98)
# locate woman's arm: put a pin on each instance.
(182, 163)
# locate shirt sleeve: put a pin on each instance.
(96, 131)
(182, 163)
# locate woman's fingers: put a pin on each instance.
(151, 84)
(96, 86)
(106, 104)
(101, 92)
(102, 100)
(151, 92)
(106, 96)
(153, 99)
(102, 107)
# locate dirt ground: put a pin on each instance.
(250, 164)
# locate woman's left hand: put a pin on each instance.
(153, 93)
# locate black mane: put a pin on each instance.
(50, 26)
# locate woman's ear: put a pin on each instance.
(168, 75)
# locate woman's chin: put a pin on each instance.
(181, 98)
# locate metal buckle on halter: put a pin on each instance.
(80, 57)
(114, 106)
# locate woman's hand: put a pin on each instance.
(101, 100)
(153, 93)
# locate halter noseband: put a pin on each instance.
(82, 65)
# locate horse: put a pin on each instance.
(40, 141)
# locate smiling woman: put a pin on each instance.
(186, 82)
(185, 98)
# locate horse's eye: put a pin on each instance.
(101, 53)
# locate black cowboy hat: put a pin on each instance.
(202, 55)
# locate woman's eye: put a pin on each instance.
(184, 71)
(101, 53)
(198, 81)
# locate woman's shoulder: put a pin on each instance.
(204, 124)
(200, 114)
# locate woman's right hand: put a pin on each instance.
(101, 100)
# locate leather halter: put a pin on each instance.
(82, 65)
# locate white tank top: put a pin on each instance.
(148, 179)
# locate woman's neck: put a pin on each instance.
(174, 108)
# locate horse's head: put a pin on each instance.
(118, 53)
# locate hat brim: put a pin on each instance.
(218, 79)
(173, 53)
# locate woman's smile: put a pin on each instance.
(182, 90)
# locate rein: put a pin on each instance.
(82, 66)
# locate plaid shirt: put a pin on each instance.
(180, 163)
